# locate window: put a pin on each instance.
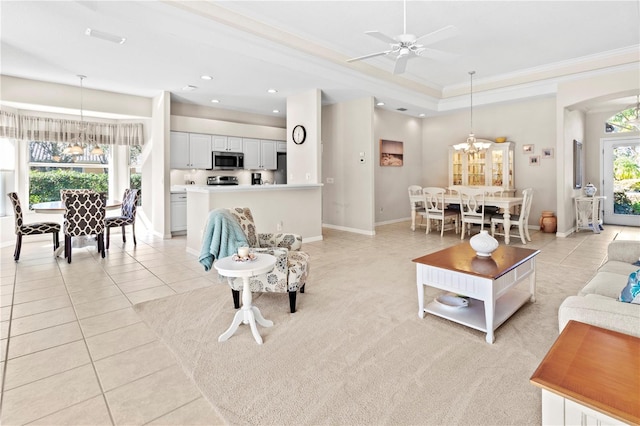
(135, 168)
(626, 120)
(50, 170)
(7, 173)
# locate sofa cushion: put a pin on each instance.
(606, 284)
(631, 292)
(602, 312)
(622, 268)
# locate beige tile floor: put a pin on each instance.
(74, 351)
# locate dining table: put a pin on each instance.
(504, 203)
(57, 207)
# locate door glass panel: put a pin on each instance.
(622, 181)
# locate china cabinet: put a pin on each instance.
(491, 167)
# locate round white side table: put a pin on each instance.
(248, 314)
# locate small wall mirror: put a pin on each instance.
(577, 164)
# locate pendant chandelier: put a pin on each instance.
(82, 139)
(472, 145)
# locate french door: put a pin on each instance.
(621, 180)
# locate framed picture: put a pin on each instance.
(527, 149)
(547, 152)
(534, 160)
(391, 153)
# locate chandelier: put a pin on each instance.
(82, 139)
(472, 145)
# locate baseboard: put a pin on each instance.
(312, 239)
(347, 229)
(389, 222)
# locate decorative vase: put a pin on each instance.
(590, 190)
(483, 243)
(548, 222)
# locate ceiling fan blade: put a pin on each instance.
(401, 64)
(371, 55)
(382, 37)
(438, 55)
(441, 34)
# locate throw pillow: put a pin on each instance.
(631, 292)
(636, 263)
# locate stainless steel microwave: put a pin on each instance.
(227, 160)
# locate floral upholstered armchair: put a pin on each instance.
(292, 265)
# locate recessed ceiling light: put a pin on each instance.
(272, 91)
(105, 36)
(275, 111)
(380, 103)
(215, 101)
(206, 77)
(189, 88)
(422, 115)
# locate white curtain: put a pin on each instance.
(42, 129)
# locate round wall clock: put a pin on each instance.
(299, 134)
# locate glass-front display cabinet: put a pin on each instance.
(491, 167)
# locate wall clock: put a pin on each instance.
(299, 134)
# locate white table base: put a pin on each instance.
(248, 314)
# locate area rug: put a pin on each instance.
(356, 352)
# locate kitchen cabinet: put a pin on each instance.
(226, 143)
(281, 146)
(492, 167)
(178, 212)
(259, 154)
(190, 151)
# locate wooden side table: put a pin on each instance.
(248, 314)
(588, 213)
(590, 376)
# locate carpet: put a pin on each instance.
(357, 353)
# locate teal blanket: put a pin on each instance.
(222, 237)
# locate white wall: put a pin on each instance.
(526, 122)
(391, 202)
(303, 161)
(348, 202)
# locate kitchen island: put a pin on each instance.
(295, 208)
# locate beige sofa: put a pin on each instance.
(597, 303)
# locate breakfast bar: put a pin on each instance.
(294, 208)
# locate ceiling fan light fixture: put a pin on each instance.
(105, 36)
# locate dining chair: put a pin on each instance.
(416, 203)
(492, 191)
(472, 208)
(84, 215)
(127, 215)
(435, 209)
(520, 220)
(34, 228)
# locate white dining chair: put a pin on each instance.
(435, 209)
(416, 203)
(520, 220)
(472, 209)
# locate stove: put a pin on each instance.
(222, 180)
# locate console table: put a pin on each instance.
(588, 213)
(590, 376)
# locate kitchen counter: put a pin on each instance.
(295, 208)
(245, 188)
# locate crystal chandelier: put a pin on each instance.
(82, 139)
(472, 145)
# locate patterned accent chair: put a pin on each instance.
(84, 215)
(292, 265)
(127, 215)
(32, 228)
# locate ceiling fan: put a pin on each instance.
(406, 46)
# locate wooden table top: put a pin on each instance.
(463, 258)
(595, 367)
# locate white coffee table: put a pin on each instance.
(490, 283)
(248, 314)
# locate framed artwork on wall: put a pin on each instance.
(527, 149)
(534, 160)
(391, 153)
(547, 152)
(577, 164)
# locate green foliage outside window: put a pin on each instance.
(46, 186)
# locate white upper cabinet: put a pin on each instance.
(259, 154)
(226, 143)
(281, 146)
(190, 151)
